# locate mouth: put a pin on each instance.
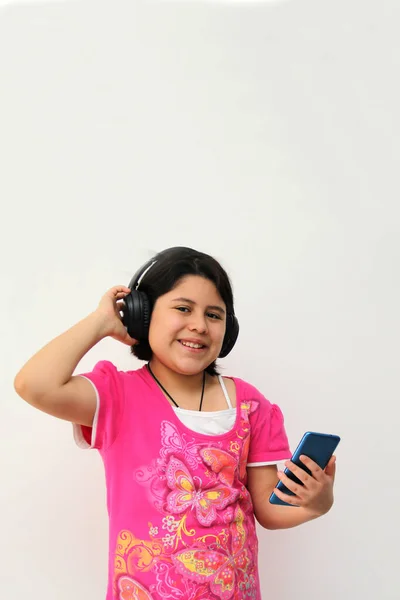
(192, 346)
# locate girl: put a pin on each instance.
(190, 456)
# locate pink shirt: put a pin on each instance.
(181, 524)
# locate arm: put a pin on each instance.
(313, 499)
(46, 380)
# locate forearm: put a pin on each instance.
(285, 517)
(53, 365)
(308, 501)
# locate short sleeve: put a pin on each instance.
(268, 441)
(108, 385)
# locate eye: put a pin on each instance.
(214, 316)
(182, 308)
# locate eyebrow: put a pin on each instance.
(213, 307)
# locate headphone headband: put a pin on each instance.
(143, 274)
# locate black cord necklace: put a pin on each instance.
(169, 396)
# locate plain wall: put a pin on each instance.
(266, 135)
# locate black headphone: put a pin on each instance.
(137, 313)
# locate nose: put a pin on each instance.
(198, 323)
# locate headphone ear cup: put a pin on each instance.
(137, 315)
(231, 335)
(146, 314)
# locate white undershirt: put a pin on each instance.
(212, 422)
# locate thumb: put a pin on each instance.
(129, 341)
(125, 338)
(331, 467)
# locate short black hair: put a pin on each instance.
(172, 265)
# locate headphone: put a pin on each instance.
(137, 313)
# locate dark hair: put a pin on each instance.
(172, 265)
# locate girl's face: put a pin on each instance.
(187, 326)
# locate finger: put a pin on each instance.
(292, 500)
(119, 290)
(330, 469)
(294, 487)
(298, 471)
(315, 469)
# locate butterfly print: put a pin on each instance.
(185, 495)
(129, 589)
(222, 570)
(221, 462)
(175, 443)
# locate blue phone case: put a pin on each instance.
(319, 447)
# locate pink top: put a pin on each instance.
(181, 519)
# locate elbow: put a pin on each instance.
(23, 390)
(265, 521)
(270, 526)
(19, 385)
(267, 525)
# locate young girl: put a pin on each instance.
(190, 456)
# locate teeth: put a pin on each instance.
(192, 345)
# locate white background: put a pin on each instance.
(265, 135)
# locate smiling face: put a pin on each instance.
(187, 326)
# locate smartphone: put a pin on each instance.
(319, 447)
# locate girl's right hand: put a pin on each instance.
(109, 309)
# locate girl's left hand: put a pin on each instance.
(316, 493)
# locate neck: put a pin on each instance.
(172, 380)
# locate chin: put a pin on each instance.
(185, 369)
(190, 366)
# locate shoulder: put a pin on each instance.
(243, 391)
(106, 370)
(259, 407)
(246, 391)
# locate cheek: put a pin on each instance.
(220, 330)
(163, 327)
(216, 335)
